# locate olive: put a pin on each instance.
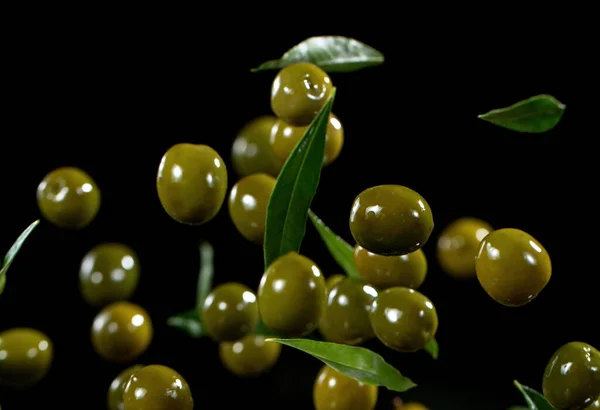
(413, 406)
(572, 377)
(248, 202)
(333, 390)
(251, 152)
(157, 387)
(292, 295)
(385, 272)
(121, 332)
(390, 220)
(458, 244)
(25, 357)
(333, 279)
(250, 356)
(230, 312)
(115, 391)
(191, 183)
(298, 93)
(109, 272)
(594, 405)
(512, 266)
(68, 198)
(403, 319)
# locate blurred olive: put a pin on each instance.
(157, 387)
(26, 356)
(594, 405)
(333, 279)
(115, 391)
(251, 152)
(333, 390)
(413, 406)
(249, 356)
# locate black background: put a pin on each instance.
(112, 98)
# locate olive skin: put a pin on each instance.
(403, 319)
(572, 377)
(250, 356)
(346, 317)
(230, 312)
(594, 405)
(191, 183)
(298, 92)
(121, 332)
(512, 266)
(109, 272)
(385, 272)
(248, 200)
(413, 406)
(333, 279)
(26, 357)
(333, 390)
(251, 152)
(292, 295)
(68, 198)
(458, 244)
(390, 220)
(115, 391)
(157, 387)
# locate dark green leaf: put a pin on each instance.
(331, 53)
(12, 252)
(433, 348)
(189, 322)
(207, 271)
(535, 400)
(356, 362)
(534, 115)
(295, 188)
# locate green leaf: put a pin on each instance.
(189, 322)
(534, 115)
(207, 270)
(356, 362)
(295, 188)
(12, 252)
(433, 348)
(334, 54)
(534, 399)
(341, 250)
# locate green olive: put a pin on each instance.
(346, 318)
(251, 152)
(248, 202)
(115, 391)
(298, 93)
(594, 405)
(333, 390)
(121, 332)
(109, 272)
(390, 220)
(333, 280)
(413, 406)
(68, 198)
(403, 319)
(230, 312)
(157, 387)
(572, 377)
(191, 183)
(25, 357)
(292, 295)
(249, 356)
(458, 244)
(385, 272)
(512, 266)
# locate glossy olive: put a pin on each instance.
(109, 272)
(230, 312)
(115, 391)
(385, 272)
(292, 295)
(333, 390)
(25, 357)
(298, 92)
(346, 317)
(247, 205)
(191, 183)
(333, 279)
(249, 356)
(251, 152)
(458, 244)
(512, 266)
(572, 377)
(413, 406)
(68, 198)
(390, 220)
(403, 319)
(157, 387)
(121, 332)
(594, 405)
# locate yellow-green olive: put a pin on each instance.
(413, 406)
(157, 387)
(333, 279)
(25, 357)
(298, 92)
(512, 266)
(249, 356)
(594, 405)
(333, 390)
(191, 183)
(115, 391)
(251, 152)
(68, 198)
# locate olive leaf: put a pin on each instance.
(356, 362)
(432, 348)
(331, 53)
(12, 252)
(189, 322)
(537, 114)
(295, 188)
(534, 399)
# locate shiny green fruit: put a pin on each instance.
(26, 356)
(157, 387)
(250, 356)
(251, 152)
(115, 391)
(333, 390)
